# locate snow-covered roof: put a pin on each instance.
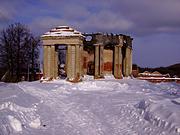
(146, 72)
(62, 31)
(156, 73)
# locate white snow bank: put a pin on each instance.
(35, 123)
(161, 113)
(15, 123)
(101, 85)
(105, 106)
(176, 101)
(18, 110)
(15, 108)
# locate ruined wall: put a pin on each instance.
(108, 61)
(88, 63)
(112, 54)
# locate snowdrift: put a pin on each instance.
(102, 107)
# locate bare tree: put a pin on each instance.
(33, 55)
(18, 50)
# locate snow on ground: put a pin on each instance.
(101, 107)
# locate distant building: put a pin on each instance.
(135, 70)
(153, 74)
(94, 54)
(155, 77)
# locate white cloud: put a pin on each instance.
(43, 24)
(107, 21)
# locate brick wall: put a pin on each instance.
(108, 61)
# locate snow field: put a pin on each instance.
(16, 118)
(101, 107)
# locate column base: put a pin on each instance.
(98, 77)
(77, 79)
(118, 77)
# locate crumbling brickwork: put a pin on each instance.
(112, 54)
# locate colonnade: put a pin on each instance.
(99, 61)
(73, 62)
(122, 65)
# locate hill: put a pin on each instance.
(173, 70)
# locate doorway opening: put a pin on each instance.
(62, 61)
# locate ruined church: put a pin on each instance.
(69, 53)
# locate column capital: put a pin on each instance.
(98, 44)
(129, 47)
(73, 44)
(119, 45)
(48, 45)
(121, 40)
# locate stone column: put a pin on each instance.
(45, 64)
(50, 61)
(130, 63)
(55, 64)
(101, 62)
(118, 62)
(96, 74)
(118, 58)
(127, 62)
(81, 60)
(69, 66)
(66, 64)
(73, 63)
(47, 61)
(124, 65)
(77, 62)
(128, 57)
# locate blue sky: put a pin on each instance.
(154, 24)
